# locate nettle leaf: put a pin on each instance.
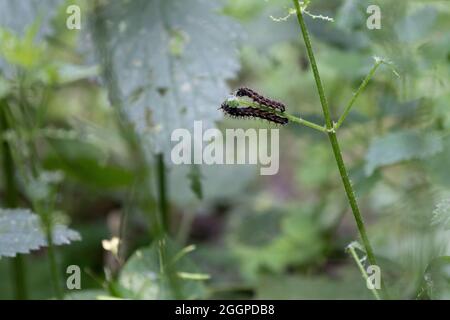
(21, 232)
(172, 60)
(401, 146)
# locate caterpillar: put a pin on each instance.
(250, 112)
(256, 97)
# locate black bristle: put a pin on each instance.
(250, 112)
(256, 97)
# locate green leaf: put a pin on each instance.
(28, 19)
(142, 277)
(172, 60)
(20, 51)
(21, 232)
(401, 146)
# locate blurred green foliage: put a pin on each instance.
(281, 236)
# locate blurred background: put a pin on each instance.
(86, 117)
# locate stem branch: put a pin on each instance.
(352, 251)
(356, 94)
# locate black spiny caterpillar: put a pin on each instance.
(256, 97)
(249, 112)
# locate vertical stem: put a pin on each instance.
(312, 60)
(47, 223)
(162, 189)
(54, 267)
(19, 278)
(334, 141)
(351, 197)
(167, 269)
(11, 197)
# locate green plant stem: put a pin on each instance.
(352, 251)
(11, 197)
(45, 210)
(304, 122)
(312, 60)
(19, 271)
(363, 85)
(54, 267)
(162, 189)
(334, 141)
(351, 197)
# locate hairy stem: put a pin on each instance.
(334, 141)
(312, 60)
(11, 201)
